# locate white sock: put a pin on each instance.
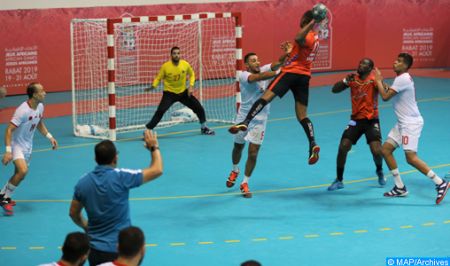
(3, 191)
(9, 190)
(203, 125)
(236, 168)
(434, 177)
(397, 179)
(246, 178)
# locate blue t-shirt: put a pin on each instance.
(104, 195)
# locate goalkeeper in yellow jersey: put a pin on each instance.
(174, 73)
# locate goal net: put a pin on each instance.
(114, 60)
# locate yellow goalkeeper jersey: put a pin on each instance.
(174, 76)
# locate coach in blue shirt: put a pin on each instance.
(104, 194)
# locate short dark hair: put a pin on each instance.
(174, 48)
(371, 63)
(131, 241)
(251, 263)
(247, 56)
(105, 151)
(75, 246)
(407, 58)
(306, 18)
(31, 89)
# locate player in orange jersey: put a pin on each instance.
(364, 119)
(294, 76)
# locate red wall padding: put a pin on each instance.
(38, 41)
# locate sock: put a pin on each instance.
(203, 125)
(236, 168)
(340, 173)
(379, 167)
(246, 178)
(434, 177)
(9, 190)
(397, 178)
(309, 130)
(3, 191)
(254, 110)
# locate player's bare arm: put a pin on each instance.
(44, 131)
(156, 168)
(75, 213)
(7, 157)
(300, 37)
(287, 49)
(385, 93)
(343, 84)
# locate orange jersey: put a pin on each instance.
(301, 57)
(364, 95)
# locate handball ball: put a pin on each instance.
(319, 12)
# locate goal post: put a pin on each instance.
(114, 60)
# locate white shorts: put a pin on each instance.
(20, 153)
(406, 136)
(254, 133)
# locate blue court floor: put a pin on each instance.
(191, 218)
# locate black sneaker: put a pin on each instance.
(442, 191)
(207, 131)
(397, 192)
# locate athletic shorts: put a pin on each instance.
(356, 128)
(297, 83)
(406, 136)
(20, 153)
(254, 133)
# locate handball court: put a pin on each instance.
(190, 218)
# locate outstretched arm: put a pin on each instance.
(301, 35)
(157, 79)
(385, 91)
(156, 167)
(287, 49)
(44, 131)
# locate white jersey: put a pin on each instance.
(51, 264)
(404, 103)
(108, 264)
(252, 91)
(26, 120)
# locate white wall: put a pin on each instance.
(37, 4)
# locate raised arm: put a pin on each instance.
(301, 34)
(44, 131)
(156, 166)
(343, 84)
(287, 49)
(385, 91)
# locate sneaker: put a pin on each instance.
(314, 154)
(232, 178)
(397, 192)
(7, 208)
(336, 185)
(442, 191)
(381, 178)
(8, 200)
(245, 191)
(234, 129)
(207, 131)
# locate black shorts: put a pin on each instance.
(297, 83)
(355, 129)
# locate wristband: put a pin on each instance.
(8, 149)
(49, 136)
(154, 148)
(345, 81)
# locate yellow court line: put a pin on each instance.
(360, 231)
(232, 241)
(386, 229)
(206, 243)
(36, 248)
(447, 222)
(178, 244)
(151, 245)
(259, 239)
(336, 234)
(311, 236)
(227, 194)
(406, 226)
(8, 248)
(285, 237)
(429, 224)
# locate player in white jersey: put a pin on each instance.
(19, 140)
(406, 132)
(253, 82)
